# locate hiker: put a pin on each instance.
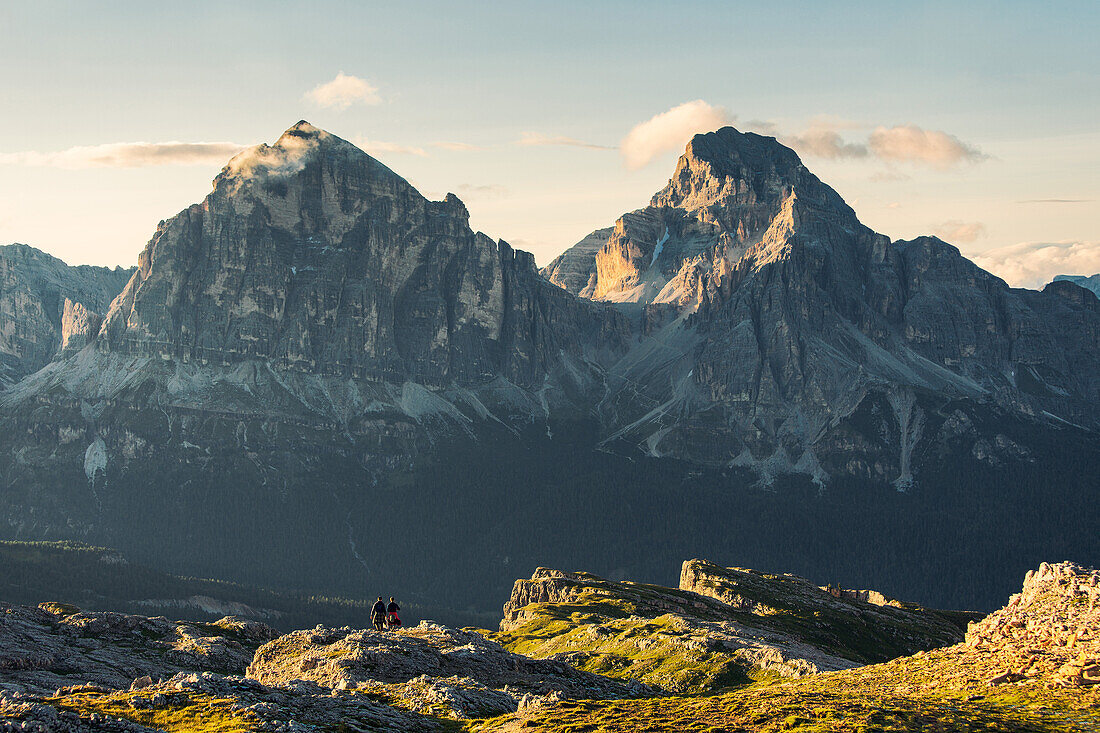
(391, 614)
(378, 615)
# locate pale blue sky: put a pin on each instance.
(1016, 84)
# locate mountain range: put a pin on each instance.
(1089, 282)
(318, 379)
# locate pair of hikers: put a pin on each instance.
(384, 616)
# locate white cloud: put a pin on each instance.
(822, 142)
(344, 91)
(671, 130)
(1034, 264)
(127, 155)
(959, 231)
(381, 146)
(529, 139)
(912, 144)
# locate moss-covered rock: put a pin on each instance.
(721, 627)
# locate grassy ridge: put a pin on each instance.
(944, 690)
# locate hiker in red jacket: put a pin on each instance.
(391, 614)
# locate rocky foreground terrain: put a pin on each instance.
(1032, 666)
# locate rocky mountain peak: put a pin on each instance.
(310, 169)
(311, 254)
(740, 181)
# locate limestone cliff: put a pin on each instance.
(34, 290)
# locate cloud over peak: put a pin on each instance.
(344, 91)
(670, 130)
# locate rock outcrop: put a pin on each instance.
(1049, 631)
(53, 646)
(1032, 665)
(720, 627)
(34, 290)
(1029, 666)
(79, 327)
(430, 668)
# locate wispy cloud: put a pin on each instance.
(821, 142)
(127, 155)
(764, 127)
(529, 139)
(899, 144)
(382, 146)
(344, 91)
(490, 190)
(670, 130)
(912, 144)
(959, 231)
(889, 176)
(1034, 264)
(1056, 201)
(460, 147)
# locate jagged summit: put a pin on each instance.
(740, 181)
(733, 196)
(312, 156)
(311, 255)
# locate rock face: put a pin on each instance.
(576, 270)
(34, 291)
(722, 625)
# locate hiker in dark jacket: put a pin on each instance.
(391, 614)
(378, 615)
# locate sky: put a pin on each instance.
(978, 122)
